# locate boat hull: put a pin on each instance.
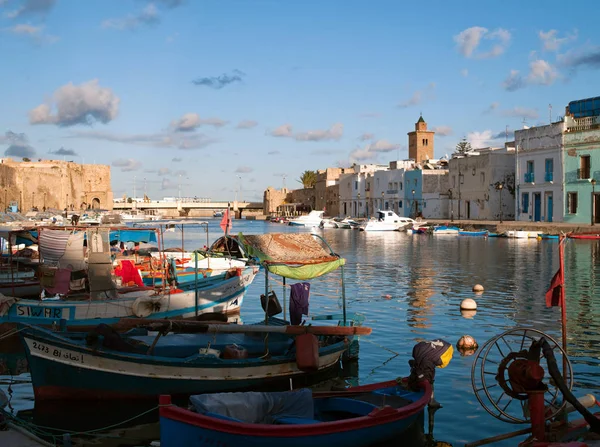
(473, 233)
(63, 370)
(180, 427)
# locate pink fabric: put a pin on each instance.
(62, 282)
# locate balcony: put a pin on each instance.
(529, 177)
(391, 192)
(549, 177)
(583, 174)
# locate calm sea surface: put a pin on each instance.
(409, 289)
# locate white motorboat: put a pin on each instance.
(313, 219)
(347, 223)
(387, 221)
(443, 230)
(328, 223)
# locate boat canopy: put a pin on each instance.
(292, 255)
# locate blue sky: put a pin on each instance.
(221, 95)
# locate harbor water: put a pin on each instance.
(408, 288)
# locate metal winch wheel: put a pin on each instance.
(495, 391)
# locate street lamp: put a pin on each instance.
(592, 210)
(5, 199)
(44, 201)
(500, 187)
(358, 208)
(414, 203)
(451, 206)
(382, 199)
(33, 199)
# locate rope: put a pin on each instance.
(11, 332)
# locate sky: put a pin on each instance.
(222, 99)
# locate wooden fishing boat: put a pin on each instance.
(548, 236)
(206, 357)
(139, 364)
(359, 416)
(443, 230)
(482, 233)
(590, 235)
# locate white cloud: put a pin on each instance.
(30, 8)
(443, 131)
(419, 96)
(284, 130)
(167, 184)
(78, 104)
(335, 132)
(244, 170)
(371, 151)
(182, 141)
(246, 124)
(552, 42)
(192, 121)
(147, 16)
(492, 107)
(480, 139)
(521, 112)
(469, 40)
(35, 33)
(127, 164)
(541, 73)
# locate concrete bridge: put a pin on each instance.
(191, 208)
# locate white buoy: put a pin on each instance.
(477, 288)
(468, 304)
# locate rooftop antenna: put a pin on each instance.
(284, 176)
(550, 112)
(525, 123)
(506, 133)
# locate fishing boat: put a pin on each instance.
(482, 233)
(443, 230)
(590, 235)
(218, 214)
(17, 277)
(346, 223)
(356, 417)
(205, 357)
(312, 219)
(82, 285)
(548, 236)
(387, 221)
(328, 223)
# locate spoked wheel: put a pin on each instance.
(493, 387)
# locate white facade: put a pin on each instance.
(474, 184)
(539, 173)
(435, 194)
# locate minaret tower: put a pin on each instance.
(420, 142)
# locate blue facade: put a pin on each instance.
(413, 194)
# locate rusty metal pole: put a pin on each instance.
(537, 412)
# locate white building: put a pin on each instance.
(482, 184)
(539, 173)
(354, 188)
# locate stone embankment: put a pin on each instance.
(497, 227)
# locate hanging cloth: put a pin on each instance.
(53, 244)
(73, 258)
(299, 296)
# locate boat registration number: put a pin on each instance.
(74, 357)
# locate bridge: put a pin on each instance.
(190, 208)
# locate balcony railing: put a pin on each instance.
(392, 191)
(529, 177)
(549, 177)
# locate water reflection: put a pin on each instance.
(410, 288)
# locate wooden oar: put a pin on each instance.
(200, 327)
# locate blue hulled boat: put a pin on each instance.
(483, 233)
(356, 417)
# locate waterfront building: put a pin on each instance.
(582, 161)
(327, 190)
(385, 189)
(482, 184)
(353, 189)
(539, 173)
(54, 184)
(425, 193)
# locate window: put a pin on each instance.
(530, 166)
(395, 186)
(400, 186)
(355, 185)
(426, 141)
(549, 175)
(572, 203)
(400, 204)
(423, 141)
(482, 177)
(390, 185)
(525, 202)
(454, 181)
(584, 167)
